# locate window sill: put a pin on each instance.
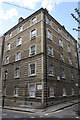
(16, 77)
(50, 75)
(32, 75)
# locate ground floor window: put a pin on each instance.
(16, 91)
(64, 92)
(32, 91)
(51, 91)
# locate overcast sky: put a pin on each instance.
(60, 9)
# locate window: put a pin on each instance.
(19, 41)
(32, 90)
(75, 54)
(64, 92)
(67, 37)
(70, 61)
(62, 56)
(51, 70)
(8, 47)
(60, 43)
(62, 73)
(7, 60)
(32, 50)
(49, 33)
(72, 76)
(33, 34)
(59, 31)
(32, 70)
(6, 74)
(16, 91)
(17, 72)
(20, 28)
(72, 91)
(76, 64)
(4, 91)
(69, 50)
(50, 50)
(18, 56)
(51, 91)
(10, 34)
(48, 21)
(34, 20)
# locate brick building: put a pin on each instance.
(40, 62)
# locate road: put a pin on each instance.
(69, 112)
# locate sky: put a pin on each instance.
(60, 10)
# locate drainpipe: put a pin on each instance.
(45, 54)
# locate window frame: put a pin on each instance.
(32, 54)
(16, 56)
(29, 70)
(33, 36)
(49, 34)
(32, 84)
(19, 39)
(7, 59)
(49, 46)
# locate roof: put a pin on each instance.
(26, 19)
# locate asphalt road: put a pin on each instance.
(69, 112)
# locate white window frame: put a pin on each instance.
(15, 74)
(16, 56)
(6, 74)
(31, 54)
(72, 75)
(72, 92)
(64, 92)
(33, 95)
(7, 60)
(16, 91)
(19, 41)
(30, 70)
(48, 21)
(59, 31)
(75, 54)
(8, 46)
(70, 61)
(49, 46)
(69, 49)
(49, 34)
(33, 36)
(10, 34)
(51, 91)
(49, 69)
(34, 20)
(62, 56)
(63, 73)
(20, 28)
(60, 42)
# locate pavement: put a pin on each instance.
(46, 110)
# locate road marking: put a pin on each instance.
(43, 113)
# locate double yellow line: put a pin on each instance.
(45, 113)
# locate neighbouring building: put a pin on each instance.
(79, 34)
(1, 40)
(40, 62)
